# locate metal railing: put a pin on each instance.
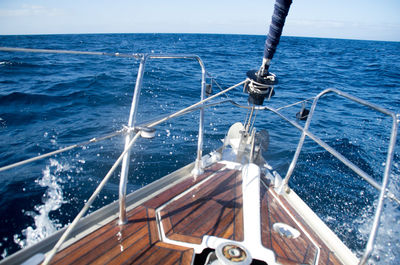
(134, 128)
(382, 188)
(305, 132)
(132, 123)
(127, 149)
(138, 131)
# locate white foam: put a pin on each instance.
(4, 254)
(387, 244)
(53, 199)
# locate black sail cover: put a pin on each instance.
(262, 81)
(275, 30)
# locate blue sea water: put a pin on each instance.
(48, 101)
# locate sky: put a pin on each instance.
(348, 19)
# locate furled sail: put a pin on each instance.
(261, 81)
(281, 10)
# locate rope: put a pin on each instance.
(259, 88)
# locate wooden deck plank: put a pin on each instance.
(153, 254)
(227, 232)
(166, 222)
(117, 249)
(301, 246)
(276, 247)
(213, 197)
(164, 256)
(238, 234)
(278, 213)
(79, 249)
(184, 256)
(185, 238)
(214, 208)
(152, 225)
(187, 257)
(104, 234)
(286, 261)
(222, 224)
(129, 255)
(167, 195)
(198, 195)
(266, 237)
(175, 259)
(223, 210)
(193, 216)
(217, 201)
(290, 252)
(325, 253)
(171, 246)
(281, 215)
(296, 247)
(310, 255)
(215, 216)
(160, 255)
(238, 207)
(333, 259)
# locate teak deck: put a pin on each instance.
(212, 208)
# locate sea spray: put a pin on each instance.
(387, 245)
(52, 200)
(51, 93)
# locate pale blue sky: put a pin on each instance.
(353, 19)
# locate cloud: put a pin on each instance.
(31, 10)
(343, 29)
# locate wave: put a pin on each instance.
(25, 98)
(53, 199)
(40, 99)
(18, 64)
(387, 246)
(66, 98)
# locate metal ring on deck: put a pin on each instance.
(232, 253)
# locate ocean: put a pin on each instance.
(49, 101)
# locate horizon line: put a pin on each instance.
(191, 33)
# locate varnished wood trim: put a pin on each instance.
(166, 223)
(185, 238)
(187, 257)
(171, 246)
(152, 223)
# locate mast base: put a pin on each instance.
(260, 86)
